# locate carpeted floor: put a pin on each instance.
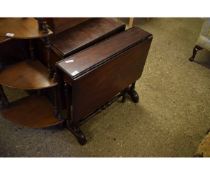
(171, 119)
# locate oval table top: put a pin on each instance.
(22, 28)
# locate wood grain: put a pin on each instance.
(32, 112)
(85, 34)
(104, 70)
(58, 25)
(88, 59)
(27, 75)
(23, 28)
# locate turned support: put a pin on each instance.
(47, 46)
(72, 126)
(131, 92)
(43, 27)
(195, 50)
(77, 132)
(42, 24)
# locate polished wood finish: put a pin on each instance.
(102, 71)
(84, 35)
(23, 28)
(95, 56)
(13, 51)
(3, 39)
(58, 25)
(33, 112)
(28, 75)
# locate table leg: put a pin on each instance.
(195, 50)
(133, 94)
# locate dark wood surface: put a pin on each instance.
(29, 74)
(12, 51)
(3, 39)
(23, 28)
(85, 34)
(33, 112)
(123, 57)
(58, 25)
(88, 59)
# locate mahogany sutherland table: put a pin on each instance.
(97, 74)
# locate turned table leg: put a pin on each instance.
(47, 46)
(133, 94)
(72, 126)
(195, 50)
(77, 132)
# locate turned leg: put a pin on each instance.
(76, 131)
(71, 125)
(47, 46)
(4, 101)
(133, 94)
(195, 50)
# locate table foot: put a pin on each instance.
(77, 132)
(195, 50)
(133, 94)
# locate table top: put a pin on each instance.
(22, 28)
(88, 59)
